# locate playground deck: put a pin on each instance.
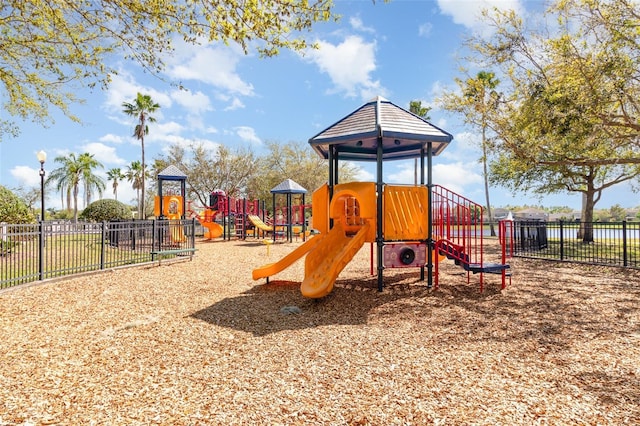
(202, 343)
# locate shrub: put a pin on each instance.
(13, 209)
(106, 210)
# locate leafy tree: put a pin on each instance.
(51, 47)
(617, 213)
(106, 210)
(421, 111)
(29, 196)
(141, 108)
(90, 181)
(13, 209)
(208, 170)
(293, 160)
(116, 176)
(568, 117)
(477, 99)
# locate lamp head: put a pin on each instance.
(42, 156)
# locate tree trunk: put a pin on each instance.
(486, 182)
(586, 224)
(75, 204)
(144, 169)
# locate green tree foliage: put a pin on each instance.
(568, 119)
(13, 209)
(296, 161)
(478, 98)
(116, 176)
(51, 47)
(209, 170)
(141, 109)
(90, 181)
(617, 213)
(74, 171)
(134, 176)
(106, 210)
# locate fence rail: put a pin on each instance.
(31, 252)
(613, 243)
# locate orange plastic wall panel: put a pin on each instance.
(320, 209)
(343, 208)
(405, 213)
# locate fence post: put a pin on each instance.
(41, 250)
(153, 238)
(103, 245)
(624, 243)
(561, 240)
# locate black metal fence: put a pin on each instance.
(30, 252)
(613, 243)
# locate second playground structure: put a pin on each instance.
(411, 225)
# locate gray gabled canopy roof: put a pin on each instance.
(172, 173)
(403, 133)
(288, 187)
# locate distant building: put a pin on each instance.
(531, 214)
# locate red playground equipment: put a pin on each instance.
(229, 217)
(412, 226)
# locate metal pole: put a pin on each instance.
(42, 190)
(42, 157)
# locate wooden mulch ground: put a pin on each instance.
(200, 343)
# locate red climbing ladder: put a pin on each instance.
(458, 234)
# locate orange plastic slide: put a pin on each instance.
(212, 229)
(258, 223)
(324, 264)
(288, 260)
(175, 229)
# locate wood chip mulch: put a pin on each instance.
(200, 343)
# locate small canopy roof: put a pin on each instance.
(403, 134)
(172, 173)
(288, 187)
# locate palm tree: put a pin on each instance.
(116, 176)
(141, 108)
(67, 179)
(91, 181)
(134, 175)
(480, 91)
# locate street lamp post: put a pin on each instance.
(42, 157)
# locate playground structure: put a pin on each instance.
(172, 210)
(412, 226)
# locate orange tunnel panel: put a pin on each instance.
(405, 213)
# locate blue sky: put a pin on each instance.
(404, 50)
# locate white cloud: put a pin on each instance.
(460, 177)
(186, 143)
(194, 102)
(111, 138)
(424, 30)
(235, 104)
(214, 65)
(468, 13)
(357, 24)
(123, 88)
(349, 66)
(103, 153)
(26, 176)
(361, 174)
(248, 134)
